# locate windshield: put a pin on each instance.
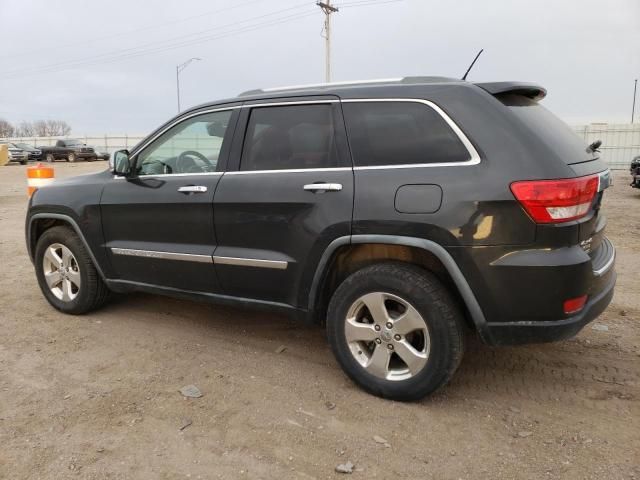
(23, 145)
(73, 143)
(548, 128)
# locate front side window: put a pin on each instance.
(192, 146)
(400, 133)
(290, 137)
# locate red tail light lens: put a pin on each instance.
(555, 201)
(574, 305)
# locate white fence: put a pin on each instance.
(620, 142)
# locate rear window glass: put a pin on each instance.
(552, 131)
(400, 133)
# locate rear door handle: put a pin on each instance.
(323, 187)
(193, 189)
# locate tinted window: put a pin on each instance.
(191, 146)
(548, 128)
(297, 136)
(399, 133)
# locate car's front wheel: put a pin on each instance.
(66, 275)
(49, 158)
(71, 157)
(396, 330)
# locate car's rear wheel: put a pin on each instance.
(66, 275)
(396, 330)
(71, 157)
(49, 158)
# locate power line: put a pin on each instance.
(365, 3)
(164, 45)
(169, 44)
(132, 31)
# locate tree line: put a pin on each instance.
(38, 128)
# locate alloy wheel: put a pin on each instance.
(61, 272)
(387, 336)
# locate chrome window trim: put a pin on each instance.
(197, 174)
(473, 153)
(250, 262)
(188, 257)
(290, 170)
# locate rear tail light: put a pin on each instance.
(555, 201)
(574, 305)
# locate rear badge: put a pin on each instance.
(586, 244)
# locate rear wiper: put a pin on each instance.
(594, 146)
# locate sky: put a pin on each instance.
(110, 67)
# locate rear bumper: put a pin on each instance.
(522, 292)
(514, 333)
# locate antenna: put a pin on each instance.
(472, 64)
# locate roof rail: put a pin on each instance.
(321, 85)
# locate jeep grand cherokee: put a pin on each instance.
(398, 213)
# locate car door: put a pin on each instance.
(158, 224)
(288, 192)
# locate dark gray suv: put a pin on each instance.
(399, 213)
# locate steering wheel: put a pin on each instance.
(186, 164)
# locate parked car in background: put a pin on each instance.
(102, 154)
(69, 150)
(17, 154)
(33, 152)
(635, 172)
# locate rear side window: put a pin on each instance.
(400, 133)
(290, 137)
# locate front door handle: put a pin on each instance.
(323, 187)
(193, 189)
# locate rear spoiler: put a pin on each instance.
(531, 90)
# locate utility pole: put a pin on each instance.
(633, 107)
(327, 9)
(179, 69)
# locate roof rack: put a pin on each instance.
(321, 85)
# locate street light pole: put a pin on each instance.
(179, 69)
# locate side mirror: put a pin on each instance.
(120, 163)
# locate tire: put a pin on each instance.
(23, 162)
(71, 158)
(408, 293)
(50, 158)
(91, 159)
(89, 293)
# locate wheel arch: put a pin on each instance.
(41, 222)
(425, 253)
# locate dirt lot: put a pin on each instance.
(97, 396)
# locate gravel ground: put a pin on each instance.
(97, 396)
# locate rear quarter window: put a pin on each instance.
(400, 133)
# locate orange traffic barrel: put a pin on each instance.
(38, 176)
